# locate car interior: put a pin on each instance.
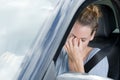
(107, 38)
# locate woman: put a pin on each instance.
(76, 51)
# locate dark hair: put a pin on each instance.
(89, 16)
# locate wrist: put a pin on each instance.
(79, 65)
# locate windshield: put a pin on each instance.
(20, 21)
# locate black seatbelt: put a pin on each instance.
(96, 58)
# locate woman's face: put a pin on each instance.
(82, 33)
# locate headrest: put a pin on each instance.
(106, 24)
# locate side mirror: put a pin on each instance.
(78, 76)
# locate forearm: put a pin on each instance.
(75, 52)
(79, 66)
(76, 65)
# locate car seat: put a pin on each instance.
(105, 37)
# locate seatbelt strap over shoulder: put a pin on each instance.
(96, 59)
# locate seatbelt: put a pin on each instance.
(96, 58)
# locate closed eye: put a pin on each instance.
(83, 40)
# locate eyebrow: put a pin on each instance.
(73, 35)
(78, 38)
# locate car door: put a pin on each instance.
(20, 23)
(115, 11)
(46, 51)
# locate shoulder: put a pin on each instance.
(101, 68)
(62, 54)
(92, 53)
(61, 62)
(62, 57)
(102, 65)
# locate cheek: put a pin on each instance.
(85, 44)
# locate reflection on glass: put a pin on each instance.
(20, 22)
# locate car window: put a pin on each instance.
(20, 22)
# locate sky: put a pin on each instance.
(20, 21)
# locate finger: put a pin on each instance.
(80, 44)
(70, 42)
(75, 42)
(66, 46)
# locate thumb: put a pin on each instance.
(80, 44)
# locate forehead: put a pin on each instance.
(81, 31)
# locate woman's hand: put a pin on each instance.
(74, 49)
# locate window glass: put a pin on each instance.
(20, 21)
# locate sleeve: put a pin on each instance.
(58, 63)
(61, 63)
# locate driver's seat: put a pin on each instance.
(105, 37)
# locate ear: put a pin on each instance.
(92, 36)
